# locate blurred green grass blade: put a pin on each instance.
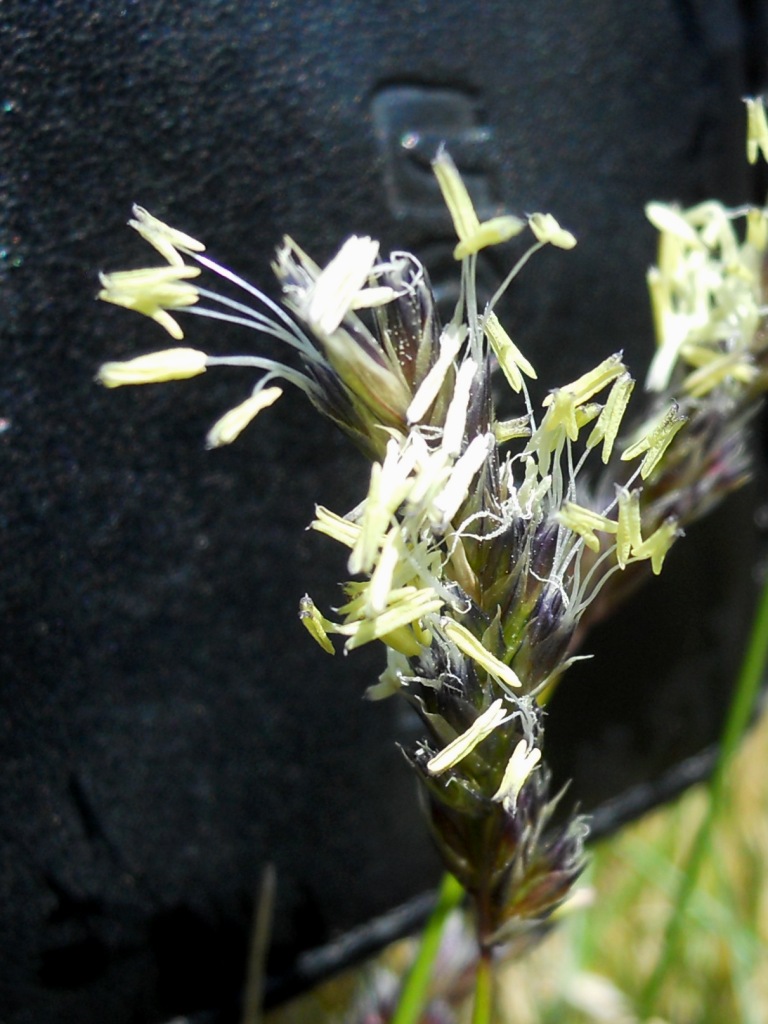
(739, 714)
(415, 991)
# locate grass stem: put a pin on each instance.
(482, 1010)
(415, 991)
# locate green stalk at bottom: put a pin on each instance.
(415, 991)
(482, 1011)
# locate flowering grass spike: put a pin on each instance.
(485, 549)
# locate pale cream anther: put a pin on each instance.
(469, 644)
(464, 744)
(154, 368)
(168, 241)
(519, 767)
(229, 427)
(340, 284)
(546, 229)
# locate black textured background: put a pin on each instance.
(167, 728)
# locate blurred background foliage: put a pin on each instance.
(596, 965)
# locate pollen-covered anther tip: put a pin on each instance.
(314, 623)
(154, 368)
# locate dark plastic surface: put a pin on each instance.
(166, 726)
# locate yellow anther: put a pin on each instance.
(628, 533)
(658, 544)
(315, 623)
(607, 427)
(670, 220)
(152, 291)
(340, 284)
(489, 232)
(167, 240)
(757, 129)
(511, 360)
(233, 423)
(546, 229)
(584, 522)
(481, 729)
(590, 383)
(335, 526)
(154, 368)
(510, 430)
(757, 228)
(656, 441)
(522, 762)
(456, 196)
(473, 648)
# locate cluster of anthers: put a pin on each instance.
(481, 547)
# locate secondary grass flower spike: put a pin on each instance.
(484, 549)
